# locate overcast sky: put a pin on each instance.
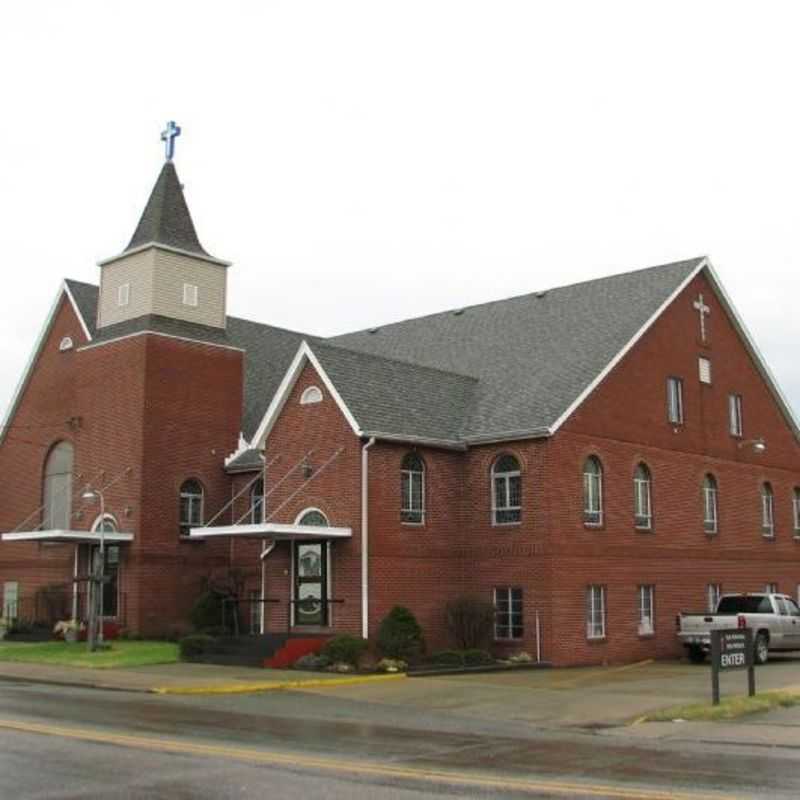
(363, 162)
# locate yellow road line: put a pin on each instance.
(271, 686)
(358, 768)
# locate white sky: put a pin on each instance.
(362, 162)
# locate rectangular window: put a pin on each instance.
(646, 605)
(592, 498)
(710, 507)
(704, 369)
(713, 593)
(771, 588)
(767, 513)
(189, 294)
(412, 490)
(507, 498)
(595, 612)
(508, 612)
(642, 510)
(735, 414)
(796, 510)
(675, 401)
(124, 294)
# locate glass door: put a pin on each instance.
(310, 583)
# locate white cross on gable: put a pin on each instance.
(701, 309)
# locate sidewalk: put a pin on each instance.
(177, 678)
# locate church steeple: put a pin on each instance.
(164, 271)
(166, 219)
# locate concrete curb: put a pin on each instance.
(272, 686)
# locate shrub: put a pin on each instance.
(476, 658)
(312, 661)
(520, 658)
(469, 621)
(345, 649)
(400, 635)
(448, 658)
(206, 612)
(195, 645)
(392, 665)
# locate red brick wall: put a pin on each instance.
(624, 422)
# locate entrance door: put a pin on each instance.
(310, 583)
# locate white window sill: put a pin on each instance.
(413, 524)
(506, 524)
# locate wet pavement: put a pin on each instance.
(94, 743)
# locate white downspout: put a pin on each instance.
(266, 549)
(365, 539)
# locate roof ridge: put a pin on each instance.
(404, 362)
(379, 327)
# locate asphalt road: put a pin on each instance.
(85, 743)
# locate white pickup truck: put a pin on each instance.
(773, 618)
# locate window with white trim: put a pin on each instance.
(642, 505)
(771, 588)
(710, 517)
(704, 369)
(257, 502)
(796, 510)
(595, 611)
(675, 400)
(508, 612)
(767, 511)
(123, 294)
(412, 490)
(735, 414)
(713, 594)
(191, 506)
(592, 491)
(190, 294)
(506, 491)
(310, 396)
(646, 597)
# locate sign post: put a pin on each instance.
(732, 649)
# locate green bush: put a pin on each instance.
(195, 645)
(345, 648)
(206, 612)
(448, 658)
(469, 621)
(476, 658)
(400, 635)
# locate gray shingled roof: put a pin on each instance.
(493, 370)
(166, 325)
(166, 218)
(247, 461)
(404, 400)
(85, 296)
(533, 355)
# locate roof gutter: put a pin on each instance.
(445, 444)
(365, 538)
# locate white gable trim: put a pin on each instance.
(624, 351)
(37, 349)
(752, 348)
(303, 356)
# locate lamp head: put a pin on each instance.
(89, 494)
(759, 446)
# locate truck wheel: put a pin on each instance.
(696, 655)
(761, 649)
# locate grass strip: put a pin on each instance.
(729, 708)
(120, 655)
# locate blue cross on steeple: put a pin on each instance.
(168, 137)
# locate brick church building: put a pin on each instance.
(591, 458)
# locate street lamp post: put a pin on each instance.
(97, 494)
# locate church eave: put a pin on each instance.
(168, 248)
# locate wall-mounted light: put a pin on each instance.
(759, 445)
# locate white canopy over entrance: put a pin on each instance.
(68, 537)
(272, 530)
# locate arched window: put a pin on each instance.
(257, 504)
(313, 517)
(710, 515)
(507, 491)
(767, 510)
(412, 490)
(310, 396)
(191, 506)
(592, 491)
(642, 504)
(57, 490)
(796, 510)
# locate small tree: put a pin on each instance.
(400, 635)
(469, 621)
